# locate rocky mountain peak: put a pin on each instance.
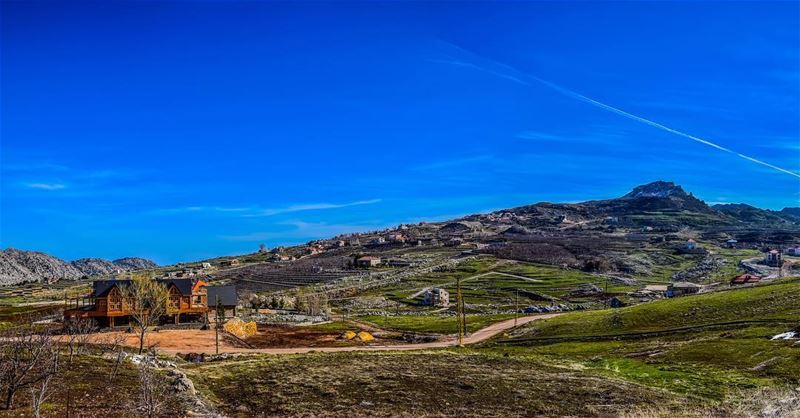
(662, 189)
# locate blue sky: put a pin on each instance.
(185, 130)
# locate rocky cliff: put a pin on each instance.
(20, 266)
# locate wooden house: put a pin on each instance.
(188, 299)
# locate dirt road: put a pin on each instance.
(197, 341)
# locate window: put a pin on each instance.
(114, 300)
(174, 299)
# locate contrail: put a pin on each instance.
(593, 102)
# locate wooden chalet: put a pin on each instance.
(188, 300)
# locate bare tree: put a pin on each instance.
(117, 346)
(146, 300)
(152, 390)
(27, 358)
(78, 332)
(41, 391)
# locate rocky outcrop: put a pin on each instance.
(134, 263)
(95, 266)
(20, 266)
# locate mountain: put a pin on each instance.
(19, 266)
(750, 214)
(791, 214)
(134, 263)
(656, 196)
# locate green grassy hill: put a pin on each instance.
(708, 347)
(777, 301)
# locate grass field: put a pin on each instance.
(83, 389)
(431, 383)
(705, 363)
(780, 300)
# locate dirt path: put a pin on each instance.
(197, 341)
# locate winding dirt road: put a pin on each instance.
(196, 341)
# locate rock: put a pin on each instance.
(184, 384)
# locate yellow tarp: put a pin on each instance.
(365, 336)
(348, 335)
(240, 328)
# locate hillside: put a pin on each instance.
(20, 266)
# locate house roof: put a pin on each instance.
(684, 285)
(747, 278)
(227, 295)
(102, 287)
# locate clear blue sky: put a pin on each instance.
(185, 130)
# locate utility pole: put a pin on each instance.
(516, 306)
(459, 313)
(219, 320)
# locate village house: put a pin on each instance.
(395, 237)
(206, 266)
(437, 297)
(795, 251)
(682, 288)
(615, 302)
(188, 300)
(378, 241)
(690, 245)
(229, 263)
(280, 257)
(773, 258)
(731, 243)
(745, 278)
(368, 261)
(399, 262)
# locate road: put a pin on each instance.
(196, 341)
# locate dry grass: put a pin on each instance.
(430, 383)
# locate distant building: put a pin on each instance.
(437, 297)
(690, 245)
(616, 303)
(378, 241)
(368, 261)
(280, 257)
(682, 288)
(731, 243)
(395, 237)
(229, 263)
(399, 262)
(339, 243)
(206, 266)
(795, 251)
(746, 278)
(773, 258)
